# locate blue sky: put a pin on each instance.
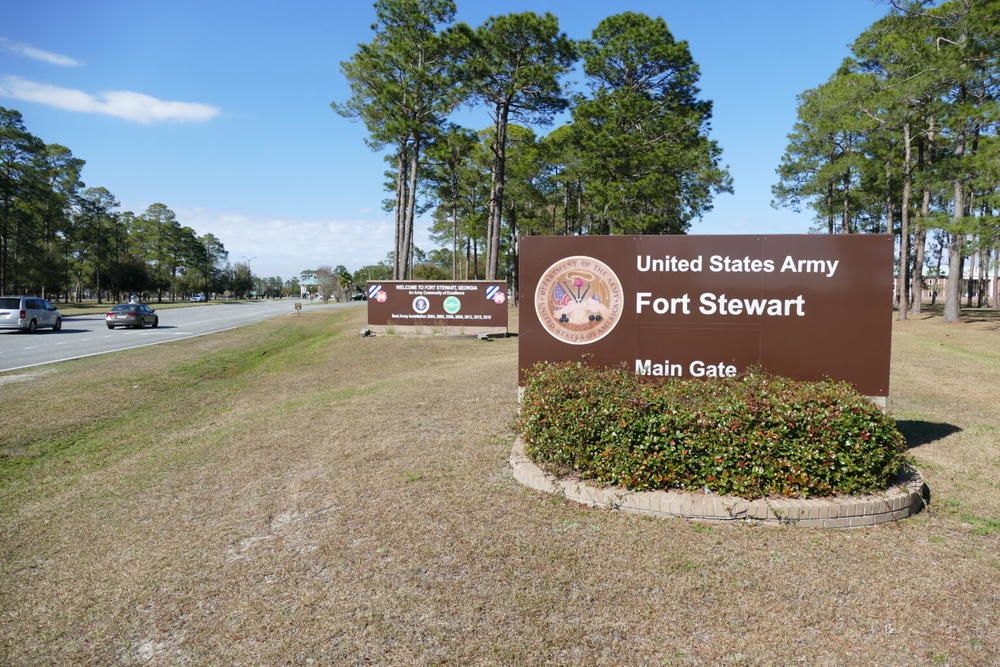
(220, 110)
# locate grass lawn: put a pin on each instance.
(291, 492)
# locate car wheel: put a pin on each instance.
(32, 326)
(111, 327)
(58, 325)
(156, 322)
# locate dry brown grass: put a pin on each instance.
(347, 501)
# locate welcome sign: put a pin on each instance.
(802, 306)
(432, 306)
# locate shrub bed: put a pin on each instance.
(751, 436)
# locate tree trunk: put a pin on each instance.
(953, 286)
(920, 236)
(99, 261)
(3, 263)
(496, 191)
(970, 284)
(917, 276)
(566, 202)
(829, 208)
(983, 279)
(579, 208)
(475, 260)
(845, 215)
(65, 277)
(995, 285)
(410, 209)
(454, 243)
(937, 274)
(920, 250)
(904, 230)
(890, 227)
(512, 275)
(4, 250)
(468, 258)
(400, 211)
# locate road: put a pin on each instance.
(87, 335)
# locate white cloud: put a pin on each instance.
(125, 104)
(286, 246)
(29, 51)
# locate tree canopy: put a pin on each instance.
(903, 139)
(633, 155)
(59, 237)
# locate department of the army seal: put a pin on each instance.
(579, 300)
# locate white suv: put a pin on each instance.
(28, 313)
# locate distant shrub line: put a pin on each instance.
(751, 436)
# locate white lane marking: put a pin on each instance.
(156, 342)
(120, 349)
(31, 348)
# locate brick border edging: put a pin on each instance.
(905, 498)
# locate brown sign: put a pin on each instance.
(802, 306)
(431, 306)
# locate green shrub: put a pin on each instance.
(751, 436)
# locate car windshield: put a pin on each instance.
(8, 303)
(124, 307)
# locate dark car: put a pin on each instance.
(360, 296)
(134, 315)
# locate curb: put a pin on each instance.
(904, 499)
